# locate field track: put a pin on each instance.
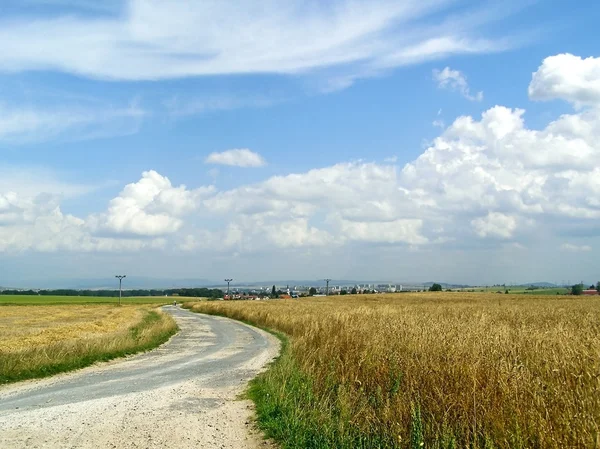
(179, 395)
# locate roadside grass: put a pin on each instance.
(39, 341)
(27, 300)
(434, 370)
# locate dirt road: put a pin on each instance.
(181, 395)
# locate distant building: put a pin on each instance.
(590, 292)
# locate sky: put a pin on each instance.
(414, 140)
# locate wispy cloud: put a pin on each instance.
(180, 107)
(242, 157)
(456, 81)
(154, 39)
(575, 248)
(30, 124)
(32, 181)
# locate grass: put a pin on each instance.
(38, 341)
(520, 290)
(435, 370)
(50, 300)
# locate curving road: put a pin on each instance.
(183, 394)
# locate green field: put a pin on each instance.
(519, 290)
(27, 300)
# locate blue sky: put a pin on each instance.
(445, 140)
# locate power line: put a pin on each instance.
(120, 278)
(327, 288)
(228, 281)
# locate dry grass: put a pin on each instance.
(443, 369)
(40, 340)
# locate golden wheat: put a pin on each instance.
(42, 340)
(485, 370)
(26, 326)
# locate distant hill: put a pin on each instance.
(445, 285)
(538, 284)
(144, 282)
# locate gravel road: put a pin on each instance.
(181, 395)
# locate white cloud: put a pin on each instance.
(296, 233)
(153, 39)
(38, 224)
(241, 157)
(32, 124)
(495, 224)
(575, 248)
(28, 182)
(396, 231)
(456, 81)
(569, 78)
(149, 207)
(247, 234)
(488, 181)
(181, 107)
(360, 190)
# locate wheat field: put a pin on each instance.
(41, 340)
(441, 370)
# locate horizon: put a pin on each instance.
(355, 140)
(163, 284)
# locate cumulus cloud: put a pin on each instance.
(490, 178)
(256, 233)
(567, 77)
(241, 157)
(395, 231)
(486, 180)
(352, 187)
(157, 40)
(38, 224)
(495, 224)
(456, 81)
(149, 207)
(502, 178)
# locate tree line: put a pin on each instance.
(578, 289)
(201, 292)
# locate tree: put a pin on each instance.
(274, 292)
(353, 291)
(312, 291)
(343, 292)
(577, 289)
(598, 286)
(435, 288)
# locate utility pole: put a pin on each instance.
(327, 288)
(228, 281)
(120, 278)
